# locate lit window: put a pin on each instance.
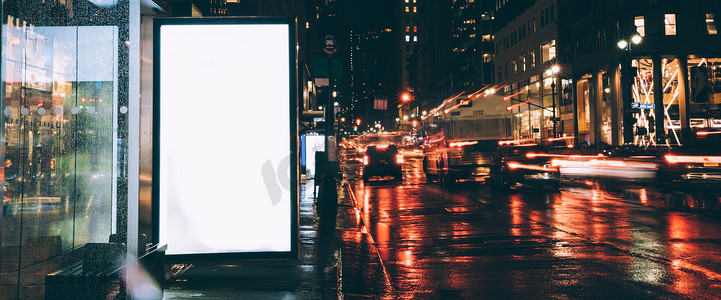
(407, 9)
(415, 28)
(408, 28)
(548, 51)
(414, 1)
(640, 24)
(415, 38)
(670, 21)
(415, 9)
(406, 1)
(711, 24)
(408, 38)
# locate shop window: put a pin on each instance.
(408, 9)
(669, 21)
(415, 9)
(640, 24)
(408, 38)
(415, 28)
(711, 24)
(408, 28)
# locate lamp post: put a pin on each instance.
(626, 83)
(552, 72)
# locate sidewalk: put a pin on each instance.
(303, 278)
(353, 271)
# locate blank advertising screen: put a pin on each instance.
(225, 178)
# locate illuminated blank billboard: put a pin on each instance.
(225, 167)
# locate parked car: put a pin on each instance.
(382, 160)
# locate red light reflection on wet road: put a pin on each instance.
(471, 241)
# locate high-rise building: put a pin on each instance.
(434, 53)
(409, 28)
(457, 50)
(368, 34)
(471, 44)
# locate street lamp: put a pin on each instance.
(552, 71)
(626, 76)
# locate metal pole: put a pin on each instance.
(329, 110)
(626, 80)
(553, 98)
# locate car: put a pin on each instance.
(696, 164)
(524, 164)
(382, 160)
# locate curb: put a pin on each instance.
(361, 228)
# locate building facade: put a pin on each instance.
(655, 91)
(525, 51)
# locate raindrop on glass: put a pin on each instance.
(123, 109)
(24, 111)
(41, 111)
(74, 110)
(58, 110)
(108, 110)
(91, 110)
(7, 111)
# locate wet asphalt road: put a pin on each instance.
(470, 241)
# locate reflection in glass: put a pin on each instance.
(60, 175)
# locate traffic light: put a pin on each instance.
(405, 97)
(355, 128)
(357, 121)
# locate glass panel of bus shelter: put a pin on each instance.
(60, 116)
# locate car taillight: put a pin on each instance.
(365, 160)
(399, 158)
(672, 159)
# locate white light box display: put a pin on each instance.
(225, 175)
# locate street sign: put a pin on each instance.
(330, 46)
(643, 105)
(380, 103)
(319, 119)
